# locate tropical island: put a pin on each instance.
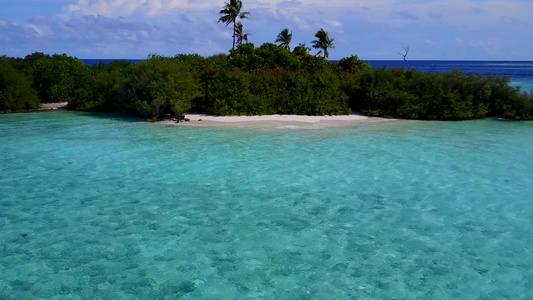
(97, 203)
(265, 80)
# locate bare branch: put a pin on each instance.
(404, 55)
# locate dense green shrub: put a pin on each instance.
(218, 61)
(350, 71)
(413, 94)
(194, 62)
(518, 106)
(257, 81)
(161, 86)
(31, 59)
(246, 58)
(327, 98)
(275, 57)
(274, 92)
(57, 78)
(105, 90)
(353, 65)
(228, 93)
(270, 56)
(16, 92)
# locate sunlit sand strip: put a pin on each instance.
(58, 105)
(276, 121)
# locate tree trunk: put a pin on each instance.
(234, 34)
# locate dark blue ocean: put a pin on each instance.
(92, 62)
(519, 72)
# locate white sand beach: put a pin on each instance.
(276, 121)
(52, 106)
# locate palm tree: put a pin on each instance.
(239, 34)
(230, 13)
(323, 42)
(284, 38)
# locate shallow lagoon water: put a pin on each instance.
(95, 207)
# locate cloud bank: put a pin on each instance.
(377, 29)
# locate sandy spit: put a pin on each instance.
(275, 121)
(50, 106)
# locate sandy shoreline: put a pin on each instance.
(43, 107)
(51, 106)
(275, 121)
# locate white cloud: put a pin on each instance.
(34, 28)
(104, 7)
(135, 28)
(468, 12)
(490, 45)
(292, 20)
(334, 25)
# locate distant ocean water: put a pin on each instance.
(92, 62)
(96, 207)
(519, 72)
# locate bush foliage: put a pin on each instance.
(16, 92)
(256, 81)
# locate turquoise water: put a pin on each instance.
(108, 208)
(525, 86)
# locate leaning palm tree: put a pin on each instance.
(323, 42)
(239, 34)
(284, 38)
(231, 12)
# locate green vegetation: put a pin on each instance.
(284, 38)
(323, 42)
(162, 86)
(256, 81)
(57, 78)
(269, 79)
(16, 92)
(240, 35)
(412, 94)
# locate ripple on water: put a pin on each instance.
(110, 208)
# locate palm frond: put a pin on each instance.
(230, 13)
(323, 42)
(284, 38)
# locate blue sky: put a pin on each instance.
(371, 29)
